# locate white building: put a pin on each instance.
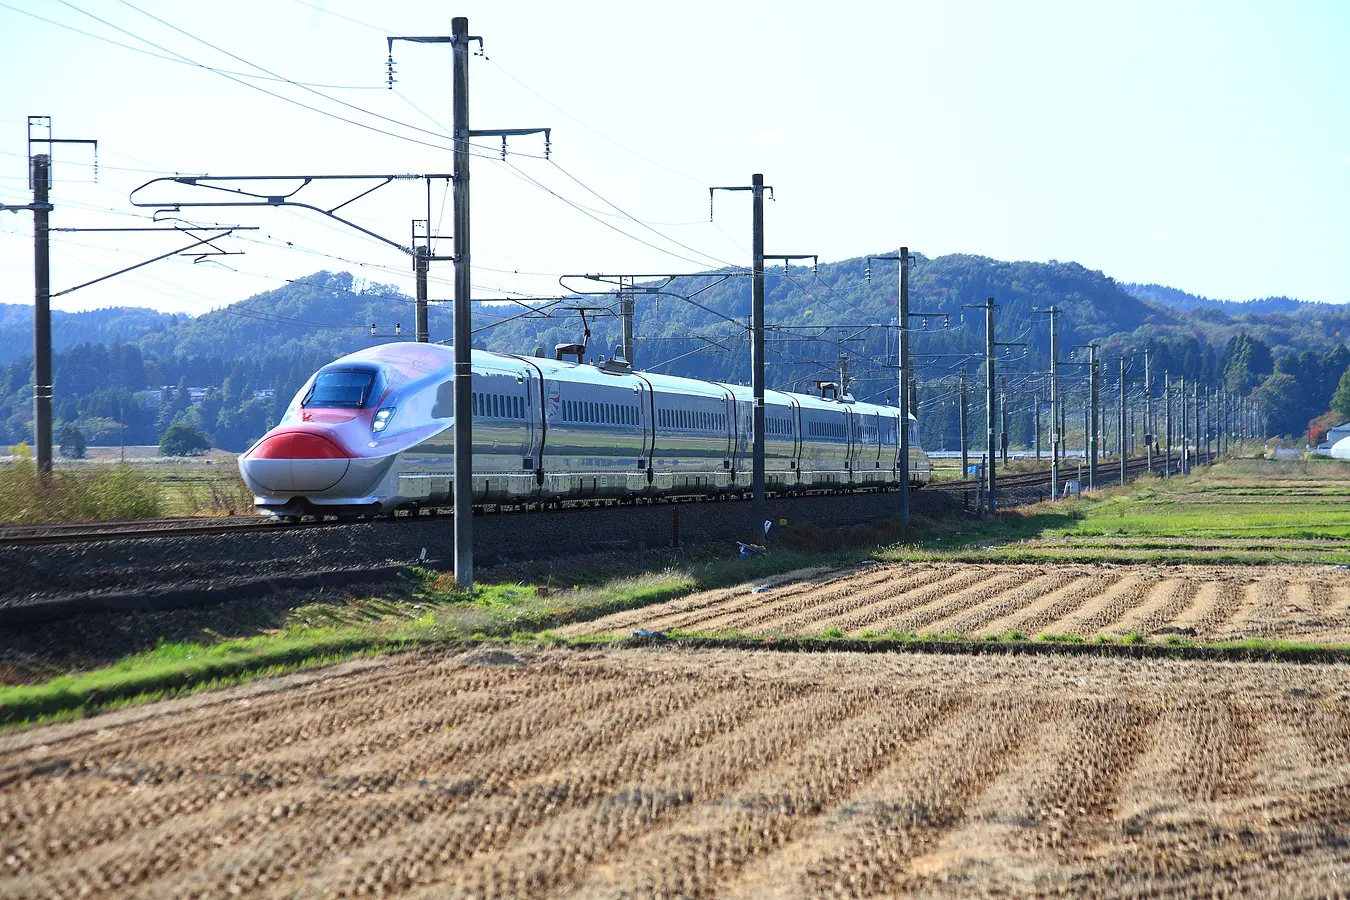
(1335, 435)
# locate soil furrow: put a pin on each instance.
(483, 827)
(1112, 605)
(1033, 618)
(1165, 600)
(349, 809)
(864, 847)
(807, 610)
(716, 840)
(558, 852)
(1040, 815)
(795, 582)
(858, 609)
(914, 618)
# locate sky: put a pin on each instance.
(1202, 145)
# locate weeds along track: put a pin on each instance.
(699, 774)
(1208, 603)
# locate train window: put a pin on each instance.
(340, 390)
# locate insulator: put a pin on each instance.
(372, 329)
(503, 146)
(398, 328)
(867, 274)
(548, 147)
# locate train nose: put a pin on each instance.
(295, 461)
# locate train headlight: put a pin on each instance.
(382, 419)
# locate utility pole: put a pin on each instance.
(462, 338)
(1036, 423)
(989, 402)
(843, 374)
(1148, 410)
(1199, 428)
(757, 188)
(1167, 419)
(626, 309)
(40, 181)
(1056, 423)
(1003, 418)
(902, 373)
(41, 173)
(421, 262)
(1094, 387)
(965, 432)
(1185, 429)
(757, 350)
(1120, 431)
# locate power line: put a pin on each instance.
(107, 40)
(629, 216)
(264, 90)
(632, 237)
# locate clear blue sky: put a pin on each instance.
(1205, 145)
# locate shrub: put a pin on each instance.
(181, 439)
(103, 492)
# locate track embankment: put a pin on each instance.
(697, 774)
(254, 558)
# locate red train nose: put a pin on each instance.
(298, 445)
(296, 461)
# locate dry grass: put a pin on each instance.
(1307, 604)
(647, 773)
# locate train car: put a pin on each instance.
(372, 433)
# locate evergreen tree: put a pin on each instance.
(1340, 401)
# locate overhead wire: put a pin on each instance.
(282, 97)
(107, 40)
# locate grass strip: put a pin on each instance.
(1128, 647)
(178, 668)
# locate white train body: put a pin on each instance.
(372, 432)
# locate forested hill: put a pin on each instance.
(99, 326)
(252, 355)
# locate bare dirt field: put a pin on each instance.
(1206, 603)
(697, 773)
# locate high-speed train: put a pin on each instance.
(372, 433)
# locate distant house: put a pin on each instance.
(1335, 435)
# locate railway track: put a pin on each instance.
(186, 526)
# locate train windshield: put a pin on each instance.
(349, 389)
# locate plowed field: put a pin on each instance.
(661, 773)
(1208, 603)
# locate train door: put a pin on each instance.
(795, 423)
(644, 422)
(729, 411)
(850, 434)
(531, 451)
(894, 424)
(875, 458)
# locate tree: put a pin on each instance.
(72, 442)
(1340, 401)
(181, 439)
(1283, 400)
(1245, 360)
